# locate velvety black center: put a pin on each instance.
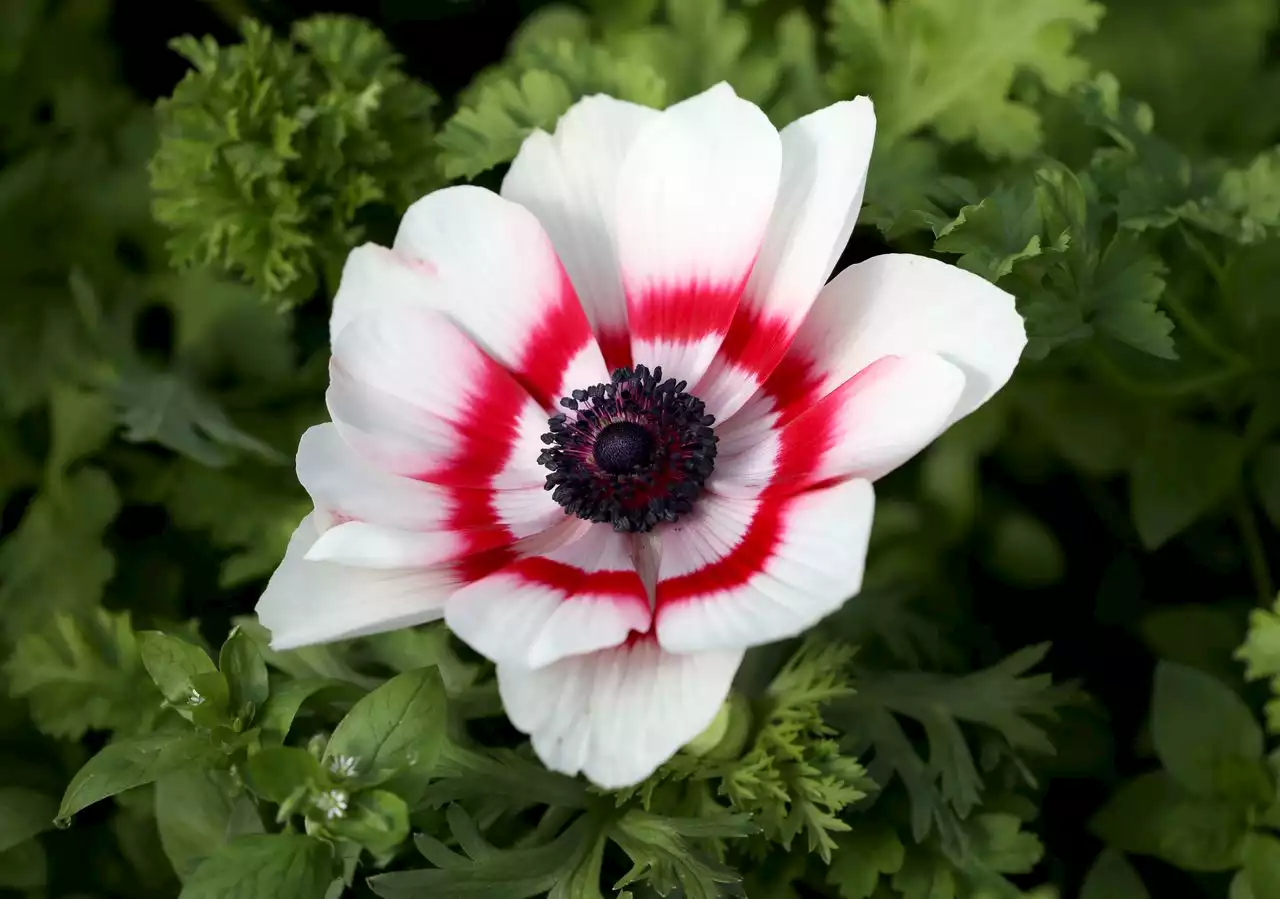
(622, 447)
(634, 452)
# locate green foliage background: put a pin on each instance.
(1063, 675)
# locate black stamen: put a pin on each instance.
(633, 452)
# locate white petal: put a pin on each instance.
(409, 391)
(570, 182)
(617, 714)
(316, 602)
(574, 599)
(501, 281)
(740, 573)
(824, 172)
(905, 305)
(694, 198)
(865, 428)
(375, 277)
(341, 481)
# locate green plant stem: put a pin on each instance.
(1196, 330)
(1170, 390)
(1255, 552)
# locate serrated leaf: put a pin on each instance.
(264, 866)
(1184, 471)
(131, 763)
(55, 561)
(932, 63)
(995, 234)
(865, 855)
(82, 673)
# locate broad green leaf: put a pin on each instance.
(1154, 815)
(277, 772)
(172, 662)
(1111, 877)
(1198, 635)
(197, 811)
(246, 673)
(24, 867)
(399, 725)
(131, 763)
(1184, 471)
(376, 819)
(264, 866)
(1262, 864)
(1206, 737)
(56, 561)
(23, 814)
(277, 713)
(81, 421)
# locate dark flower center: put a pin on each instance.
(633, 452)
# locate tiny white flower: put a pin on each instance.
(614, 425)
(344, 765)
(195, 698)
(332, 803)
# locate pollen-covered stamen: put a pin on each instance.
(633, 452)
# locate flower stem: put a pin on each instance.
(1255, 552)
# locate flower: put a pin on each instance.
(612, 426)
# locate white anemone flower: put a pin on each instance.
(613, 424)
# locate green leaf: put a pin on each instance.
(277, 772)
(164, 408)
(376, 819)
(1154, 815)
(277, 714)
(24, 867)
(174, 664)
(1096, 431)
(24, 813)
(264, 866)
(1111, 877)
(662, 852)
(131, 763)
(81, 422)
(486, 872)
(1126, 285)
(197, 811)
(932, 63)
(995, 234)
(399, 725)
(869, 852)
(56, 561)
(1261, 655)
(1206, 736)
(1183, 472)
(246, 674)
(83, 673)
(1262, 864)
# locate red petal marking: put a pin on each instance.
(793, 385)
(559, 335)
(617, 584)
(684, 312)
(757, 341)
(486, 439)
(801, 447)
(616, 347)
